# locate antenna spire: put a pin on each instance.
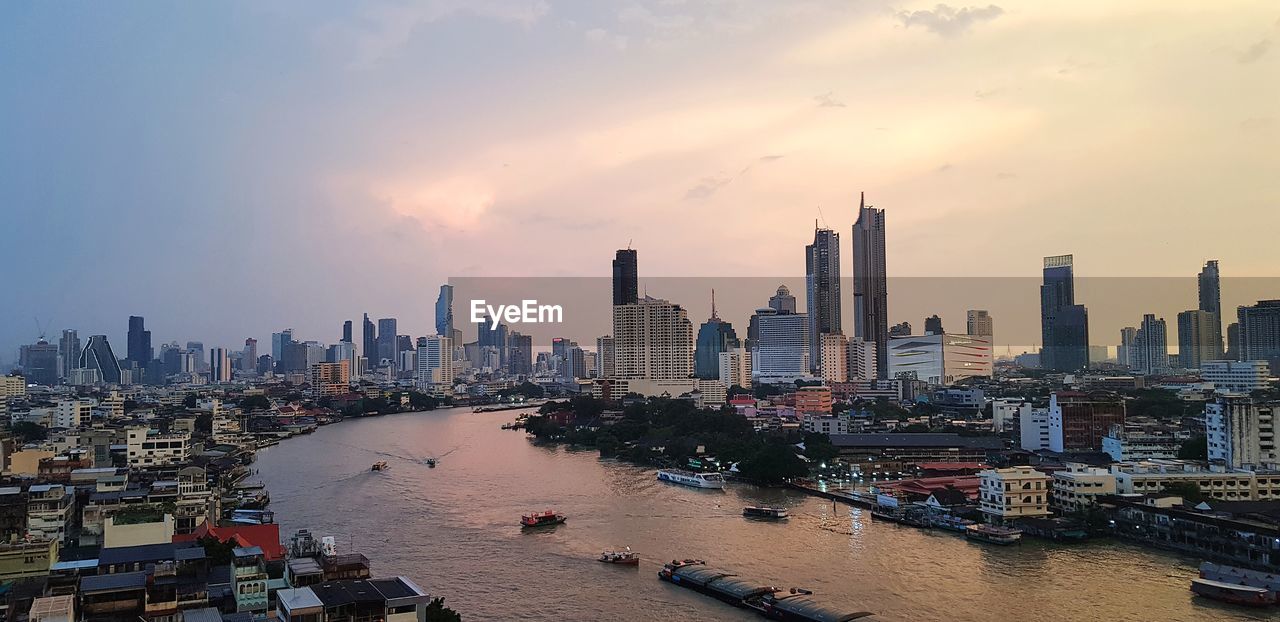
(713, 303)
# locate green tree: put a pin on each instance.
(1194, 448)
(216, 551)
(191, 400)
(255, 402)
(1189, 491)
(437, 612)
(773, 464)
(29, 432)
(422, 401)
(818, 447)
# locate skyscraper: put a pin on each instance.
(714, 336)
(1198, 338)
(933, 325)
(520, 354)
(249, 359)
(870, 282)
(219, 366)
(1209, 335)
(604, 356)
(1064, 325)
(346, 331)
(444, 311)
(434, 364)
(40, 363)
(1260, 333)
(386, 341)
(979, 323)
(822, 291)
(653, 340)
(97, 355)
(626, 286)
(369, 343)
(1128, 341)
(68, 352)
(783, 301)
(139, 343)
(1151, 346)
(1210, 288)
(781, 349)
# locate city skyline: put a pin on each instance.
(969, 136)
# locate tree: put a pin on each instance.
(773, 464)
(421, 401)
(191, 400)
(1189, 491)
(217, 551)
(738, 389)
(29, 432)
(255, 402)
(437, 612)
(763, 391)
(818, 447)
(1194, 448)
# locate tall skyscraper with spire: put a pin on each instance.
(822, 289)
(714, 336)
(369, 342)
(870, 282)
(1064, 325)
(1210, 287)
(626, 284)
(444, 311)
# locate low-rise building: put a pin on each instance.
(1079, 487)
(1236, 377)
(828, 425)
(390, 600)
(1033, 428)
(147, 448)
(813, 400)
(1126, 443)
(1155, 476)
(48, 508)
(1013, 493)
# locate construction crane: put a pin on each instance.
(42, 330)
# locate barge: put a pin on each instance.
(1237, 585)
(772, 602)
(993, 534)
(690, 478)
(764, 513)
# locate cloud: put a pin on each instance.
(1254, 52)
(986, 93)
(828, 100)
(1257, 124)
(708, 186)
(600, 35)
(944, 168)
(948, 21)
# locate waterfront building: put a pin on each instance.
(834, 362)
(626, 285)
(389, 600)
(735, 368)
(1153, 476)
(1033, 428)
(329, 379)
(1013, 493)
(1079, 487)
(1240, 534)
(822, 290)
(942, 359)
(146, 448)
(714, 336)
(1150, 354)
(813, 400)
(1241, 432)
(1239, 377)
(1064, 325)
(1078, 421)
(97, 355)
(870, 282)
(979, 323)
(1259, 333)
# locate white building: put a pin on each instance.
(862, 360)
(71, 413)
(652, 339)
(48, 508)
(1079, 487)
(781, 350)
(1017, 492)
(148, 448)
(940, 359)
(1242, 377)
(1219, 483)
(735, 367)
(1124, 444)
(829, 424)
(1241, 432)
(834, 357)
(1033, 428)
(434, 363)
(1004, 411)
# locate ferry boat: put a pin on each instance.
(689, 478)
(771, 602)
(379, 466)
(431, 462)
(951, 523)
(993, 534)
(1247, 595)
(623, 558)
(761, 512)
(1214, 576)
(541, 519)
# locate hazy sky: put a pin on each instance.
(228, 169)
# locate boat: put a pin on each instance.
(1235, 594)
(380, 466)
(431, 462)
(545, 518)
(1231, 575)
(762, 512)
(623, 558)
(993, 534)
(771, 602)
(951, 523)
(690, 478)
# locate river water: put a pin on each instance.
(454, 530)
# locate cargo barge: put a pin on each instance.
(769, 601)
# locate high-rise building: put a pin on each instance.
(346, 331)
(933, 325)
(652, 340)
(196, 349)
(940, 359)
(714, 336)
(1210, 288)
(735, 367)
(444, 311)
(822, 289)
(279, 342)
(1233, 342)
(520, 354)
(139, 343)
(97, 355)
(870, 282)
(369, 342)
(1064, 325)
(782, 301)
(781, 353)
(1128, 341)
(835, 357)
(1259, 331)
(1078, 421)
(862, 360)
(1199, 339)
(68, 352)
(40, 363)
(979, 323)
(435, 361)
(626, 284)
(604, 356)
(386, 341)
(1150, 354)
(249, 356)
(1240, 432)
(219, 366)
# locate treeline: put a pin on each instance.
(670, 432)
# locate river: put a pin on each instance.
(454, 530)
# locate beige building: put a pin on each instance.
(27, 559)
(1219, 483)
(652, 340)
(12, 386)
(118, 531)
(1079, 487)
(147, 448)
(1017, 492)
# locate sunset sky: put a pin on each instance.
(230, 169)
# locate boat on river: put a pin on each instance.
(545, 518)
(379, 466)
(1239, 586)
(993, 534)
(764, 513)
(690, 478)
(431, 462)
(625, 557)
(771, 602)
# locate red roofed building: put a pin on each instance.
(265, 536)
(919, 489)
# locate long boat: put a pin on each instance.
(1214, 576)
(771, 602)
(993, 534)
(1235, 594)
(690, 478)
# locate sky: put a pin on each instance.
(230, 169)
